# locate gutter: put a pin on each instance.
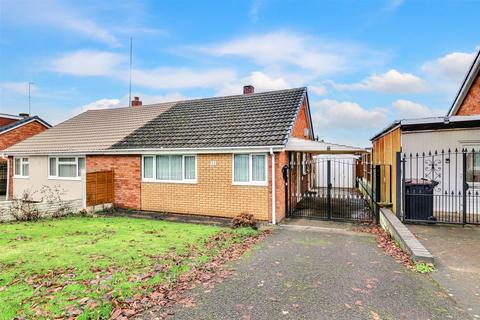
(152, 151)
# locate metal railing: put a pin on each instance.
(441, 187)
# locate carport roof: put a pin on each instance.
(321, 147)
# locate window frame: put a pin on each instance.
(154, 169)
(476, 169)
(78, 176)
(250, 181)
(22, 162)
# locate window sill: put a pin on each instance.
(21, 177)
(65, 178)
(250, 184)
(169, 181)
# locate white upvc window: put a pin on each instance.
(65, 168)
(21, 167)
(473, 167)
(250, 169)
(175, 168)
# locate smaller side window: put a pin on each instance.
(53, 167)
(21, 167)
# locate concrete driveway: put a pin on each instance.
(457, 257)
(300, 274)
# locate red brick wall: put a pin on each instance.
(6, 121)
(21, 133)
(281, 159)
(300, 123)
(471, 103)
(127, 176)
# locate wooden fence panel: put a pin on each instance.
(100, 188)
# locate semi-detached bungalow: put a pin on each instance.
(219, 156)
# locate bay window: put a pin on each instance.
(65, 167)
(21, 167)
(170, 168)
(250, 169)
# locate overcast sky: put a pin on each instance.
(365, 63)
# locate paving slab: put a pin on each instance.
(300, 274)
(457, 259)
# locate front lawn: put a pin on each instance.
(78, 266)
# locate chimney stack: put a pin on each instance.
(136, 102)
(248, 89)
(24, 115)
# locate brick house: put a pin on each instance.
(218, 156)
(14, 129)
(467, 100)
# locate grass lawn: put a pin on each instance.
(74, 265)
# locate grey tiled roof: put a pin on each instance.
(93, 130)
(260, 119)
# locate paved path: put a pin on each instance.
(320, 275)
(457, 257)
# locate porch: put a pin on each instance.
(322, 182)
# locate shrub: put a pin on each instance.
(24, 208)
(244, 220)
(53, 196)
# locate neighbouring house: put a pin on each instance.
(14, 129)
(444, 150)
(467, 100)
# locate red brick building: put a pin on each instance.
(467, 101)
(14, 129)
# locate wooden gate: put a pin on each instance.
(100, 188)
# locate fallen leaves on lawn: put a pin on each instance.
(389, 246)
(165, 295)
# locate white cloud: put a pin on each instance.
(254, 10)
(392, 5)
(261, 82)
(453, 66)
(280, 48)
(97, 105)
(391, 81)
(408, 109)
(57, 15)
(175, 78)
(333, 114)
(87, 63)
(318, 90)
(17, 88)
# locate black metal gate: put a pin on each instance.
(441, 187)
(328, 188)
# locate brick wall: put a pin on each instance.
(300, 123)
(21, 133)
(6, 121)
(127, 177)
(212, 195)
(471, 103)
(281, 159)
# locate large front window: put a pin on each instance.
(250, 169)
(21, 167)
(170, 168)
(65, 167)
